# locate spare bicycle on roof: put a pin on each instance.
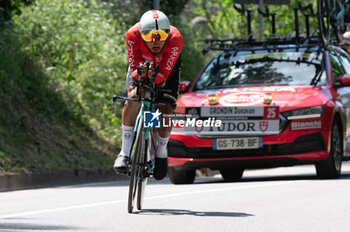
(332, 18)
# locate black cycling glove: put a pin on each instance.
(156, 70)
(139, 67)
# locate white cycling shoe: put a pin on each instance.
(120, 164)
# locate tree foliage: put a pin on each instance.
(223, 21)
(82, 49)
(38, 129)
(9, 7)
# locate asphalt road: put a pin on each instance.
(282, 199)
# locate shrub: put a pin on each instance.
(81, 47)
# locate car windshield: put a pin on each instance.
(263, 69)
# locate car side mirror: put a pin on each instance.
(344, 79)
(184, 86)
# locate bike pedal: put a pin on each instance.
(121, 171)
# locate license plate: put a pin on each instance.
(237, 143)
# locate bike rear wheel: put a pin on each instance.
(136, 167)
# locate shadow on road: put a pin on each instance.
(176, 212)
(208, 180)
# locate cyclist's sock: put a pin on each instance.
(127, 137)
(161, 148)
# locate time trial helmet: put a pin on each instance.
(154, 25)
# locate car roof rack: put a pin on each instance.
(271, 44)
(274, 43)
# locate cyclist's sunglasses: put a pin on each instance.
(155, 35)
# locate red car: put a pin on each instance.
(280, 103)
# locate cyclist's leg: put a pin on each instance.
(171, 90)
(129, 115)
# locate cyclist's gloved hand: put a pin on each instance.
(142, 69)
(152, 70)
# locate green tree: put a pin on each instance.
(7, 7)
(224, 21)
(81, 46)
(132, 11)
(169, 7)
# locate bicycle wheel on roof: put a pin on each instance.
(347, 15)
(331, 23)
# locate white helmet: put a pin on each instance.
(154, 20)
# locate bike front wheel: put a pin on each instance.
(136, 167)
(141, 192)
(146, 156)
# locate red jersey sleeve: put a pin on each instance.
(172, 50)
(133, 39)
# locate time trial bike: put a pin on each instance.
(140, 166)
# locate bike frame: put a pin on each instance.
(145, 106)
(140, 167)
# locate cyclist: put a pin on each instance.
(154, 48)
(346, 42)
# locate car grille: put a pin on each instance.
(303, 144)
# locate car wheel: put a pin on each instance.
(232, 173)
(331, 168)
(181, 176)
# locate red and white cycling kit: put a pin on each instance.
(166, 59)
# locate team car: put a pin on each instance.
(279, 103)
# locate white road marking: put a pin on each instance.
(59, 209)
(14, 215)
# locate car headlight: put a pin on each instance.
(309, 112)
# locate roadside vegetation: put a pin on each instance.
(39, 130)
(62, 61)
